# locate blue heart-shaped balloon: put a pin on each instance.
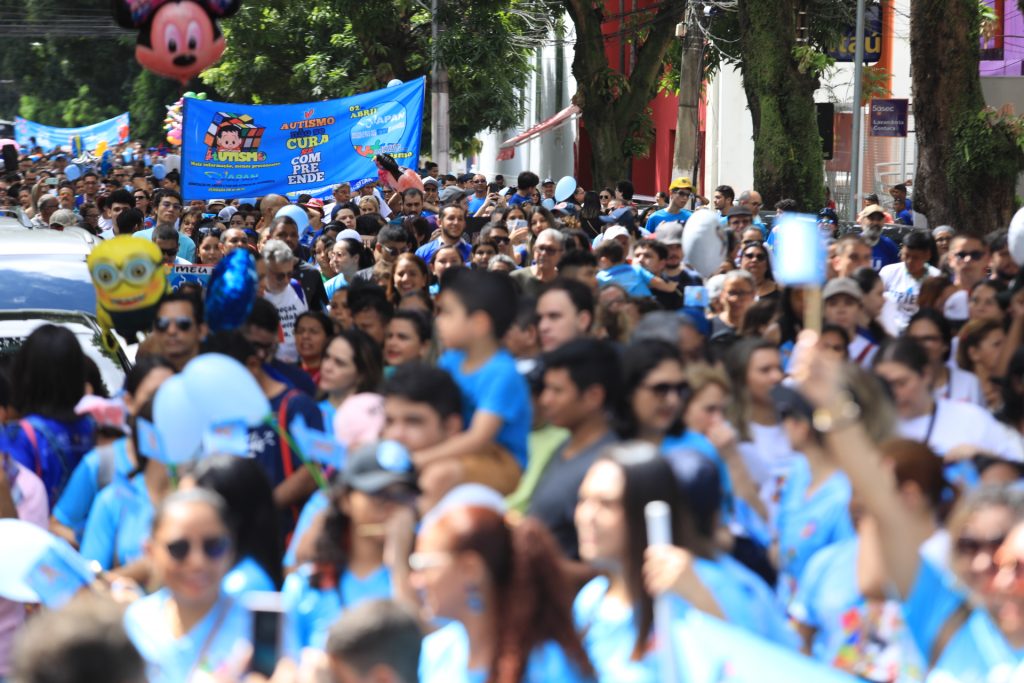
(231, 291)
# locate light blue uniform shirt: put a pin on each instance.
(745, 599)
(444, 658)
(206, 647)
(186, 247)
(72, 510)
(805, 524)
(316, 503)
(119, 523)
(608, 635)
(632, 278)
(246, 576)
(328, 411)
(975, 651)
(866, 639)
(496, 388)
(309, 612)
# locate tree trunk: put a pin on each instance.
(787, 147)
(967, 163)
(614, 105)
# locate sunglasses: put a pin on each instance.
(755, 256)
(966, 545)
(500, 240)
(214, 547)
(606, 196)
(663, 389)
(182, 323)
(973, 255)
(169, 253)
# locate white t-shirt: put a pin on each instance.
(768, 458)
(862, 351)
(955, 424)
(962, 387)
(289, 306)
(902, 289)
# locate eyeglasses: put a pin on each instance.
(975, 255)
(755, 256)
(965, 545)
(214, 547)
(500, 240)
(395, 251)
(263, 349)
(183, 323)
(664, 389)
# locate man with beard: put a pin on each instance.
(452, 221)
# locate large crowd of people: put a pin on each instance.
(511, 379)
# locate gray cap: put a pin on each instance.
(376, 466)
(842, 285)
(670, 232)
(64, 217)
(450, 195)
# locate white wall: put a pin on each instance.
(729, 143)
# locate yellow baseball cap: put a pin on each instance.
(681, 183)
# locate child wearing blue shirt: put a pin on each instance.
(100, 466)
(475, 310)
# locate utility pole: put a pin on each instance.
(858, 78)
(439, 134)
(686, 156)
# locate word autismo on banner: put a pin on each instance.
(244, 150)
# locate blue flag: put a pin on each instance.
(231, 438)
(316, 445)
(799, 251)
(712, 651)
(58, 575)
(241, 150)
(112, 131)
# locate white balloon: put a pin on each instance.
(1015, 238)
(394, 82)
(704, 245)
(172, 162)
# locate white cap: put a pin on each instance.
(475, 495)
(615, 231)
(350, 234)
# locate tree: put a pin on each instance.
(614, 105)
(968, 157)
(283, 51)
(779, 47)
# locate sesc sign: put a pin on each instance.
(889, 118)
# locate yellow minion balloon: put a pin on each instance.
(130, 282)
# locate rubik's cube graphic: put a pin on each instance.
(251, 133)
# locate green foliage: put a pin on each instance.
(988, 144)
(812, 61)
(283, 51)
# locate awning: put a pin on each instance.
(508, 148)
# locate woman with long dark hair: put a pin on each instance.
(508, 602)
(352, 364)
(590, 214)
(932, 331)
(47, 381)
(246, 490)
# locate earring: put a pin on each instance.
(474, 601)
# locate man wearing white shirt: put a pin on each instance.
(903, 280)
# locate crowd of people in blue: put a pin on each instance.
(512, 379)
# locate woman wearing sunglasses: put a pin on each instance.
(506, 601)
(968, 625)
(755, 260)
(189, 625)
(349, 565)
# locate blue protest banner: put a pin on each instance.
(237, 150)
(198, 273)
(112, 131)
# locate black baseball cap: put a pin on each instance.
(373, 467)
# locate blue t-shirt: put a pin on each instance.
(444, 658)
(246, 576)
(805, 524)
(744, 598)
(309, 611)
(265, 445)
(58, 448)
(186, 247)
(867, 639)
(515, 199)
(884, 253)
(632, 278)
(663, 216)
(975, 650)
(73, 507)
(427, 251)
(609, 633)
(475, 203)
(327, 411)
(119, 523)
(496, 388)
(316, 503)
(173, 660)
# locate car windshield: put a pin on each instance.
(14, 331)
(50, 281)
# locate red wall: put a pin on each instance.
(653, 172)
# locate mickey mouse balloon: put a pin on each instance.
(177, 38)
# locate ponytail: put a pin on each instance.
(532, 602)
